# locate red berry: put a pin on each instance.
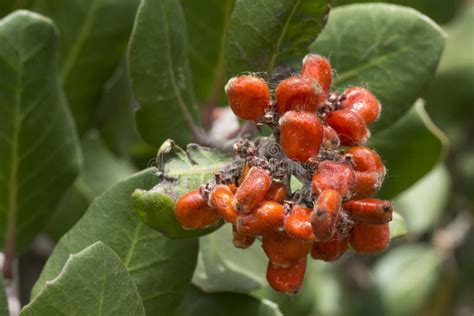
(253, 189)
(222, 199)
(325, 215)
(233, 187)
(298, 223)
(333, 175)
(363, 103)
(266, 217)
(330, 250)
(297, 94)
(369, 238)
(365, 159)
(319, 69)
(330, 137)
(248, 96)
(371, 211)
(301, 135)
(350, 128)
(287, 280)
(240, 239)
(193, 212)
(283, 250)
(276, 193)
(366, 184)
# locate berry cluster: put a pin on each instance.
(319, 138)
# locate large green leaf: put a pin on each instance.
(222, 267)
(392, 50)
(450, 99)
(101, 171)
(197, 302)
(207, 22)
(405, 277)
(39, 149)
(160, 267)
(159, 70)
(92, 282)
(410, 149)
(423, 203)
(94, 37)
(189, 170)
(268, 33)
(3, 299)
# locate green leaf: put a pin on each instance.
(185, 171)
(405, 277)
(398, 226)
(94, 37)
(391, 50)
(161, 268)
(39, 149)
(92, 282)
(455, 77)
(3, 299)
(197, 302)
(159, 71)
(222, 267)
(423, 203)
(101, 171)
(264, 34)
(410, 149)
(207, 22)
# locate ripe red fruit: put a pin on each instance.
(193, 212)
(276, 193)
(325, 215)
(297, 94)
(252, 190)
(287, 280)
(233, 187)
(240, 239)
(365, 159)
(330, 250)
(350, 128)
(330, 137)
(366, 184)
(371, 211)
(333, 175)
(369, 238)
(248, 96)
(222, 200)
(283, 250)
(298, 223)
(301, 135)
(363, 103)
(266, 217)
(319, 69)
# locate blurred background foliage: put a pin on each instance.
(428, 271)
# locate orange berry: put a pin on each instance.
(330, 250)
(319, 69)
(240, 239)
(287, 280)
(266, 217)
(301, 135)
(283, 250)
(248, 96)
(333, 175)
(369, 238)
(193, 212)
(253, 189)
(330, 137)
(350, 128)
(366, 184)
(298, 223)
(233, 187)
(365, 159)
(297, 94)
(222, 200)
(325, 214)
(363, 103)
(276, 193)
(371, 211)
